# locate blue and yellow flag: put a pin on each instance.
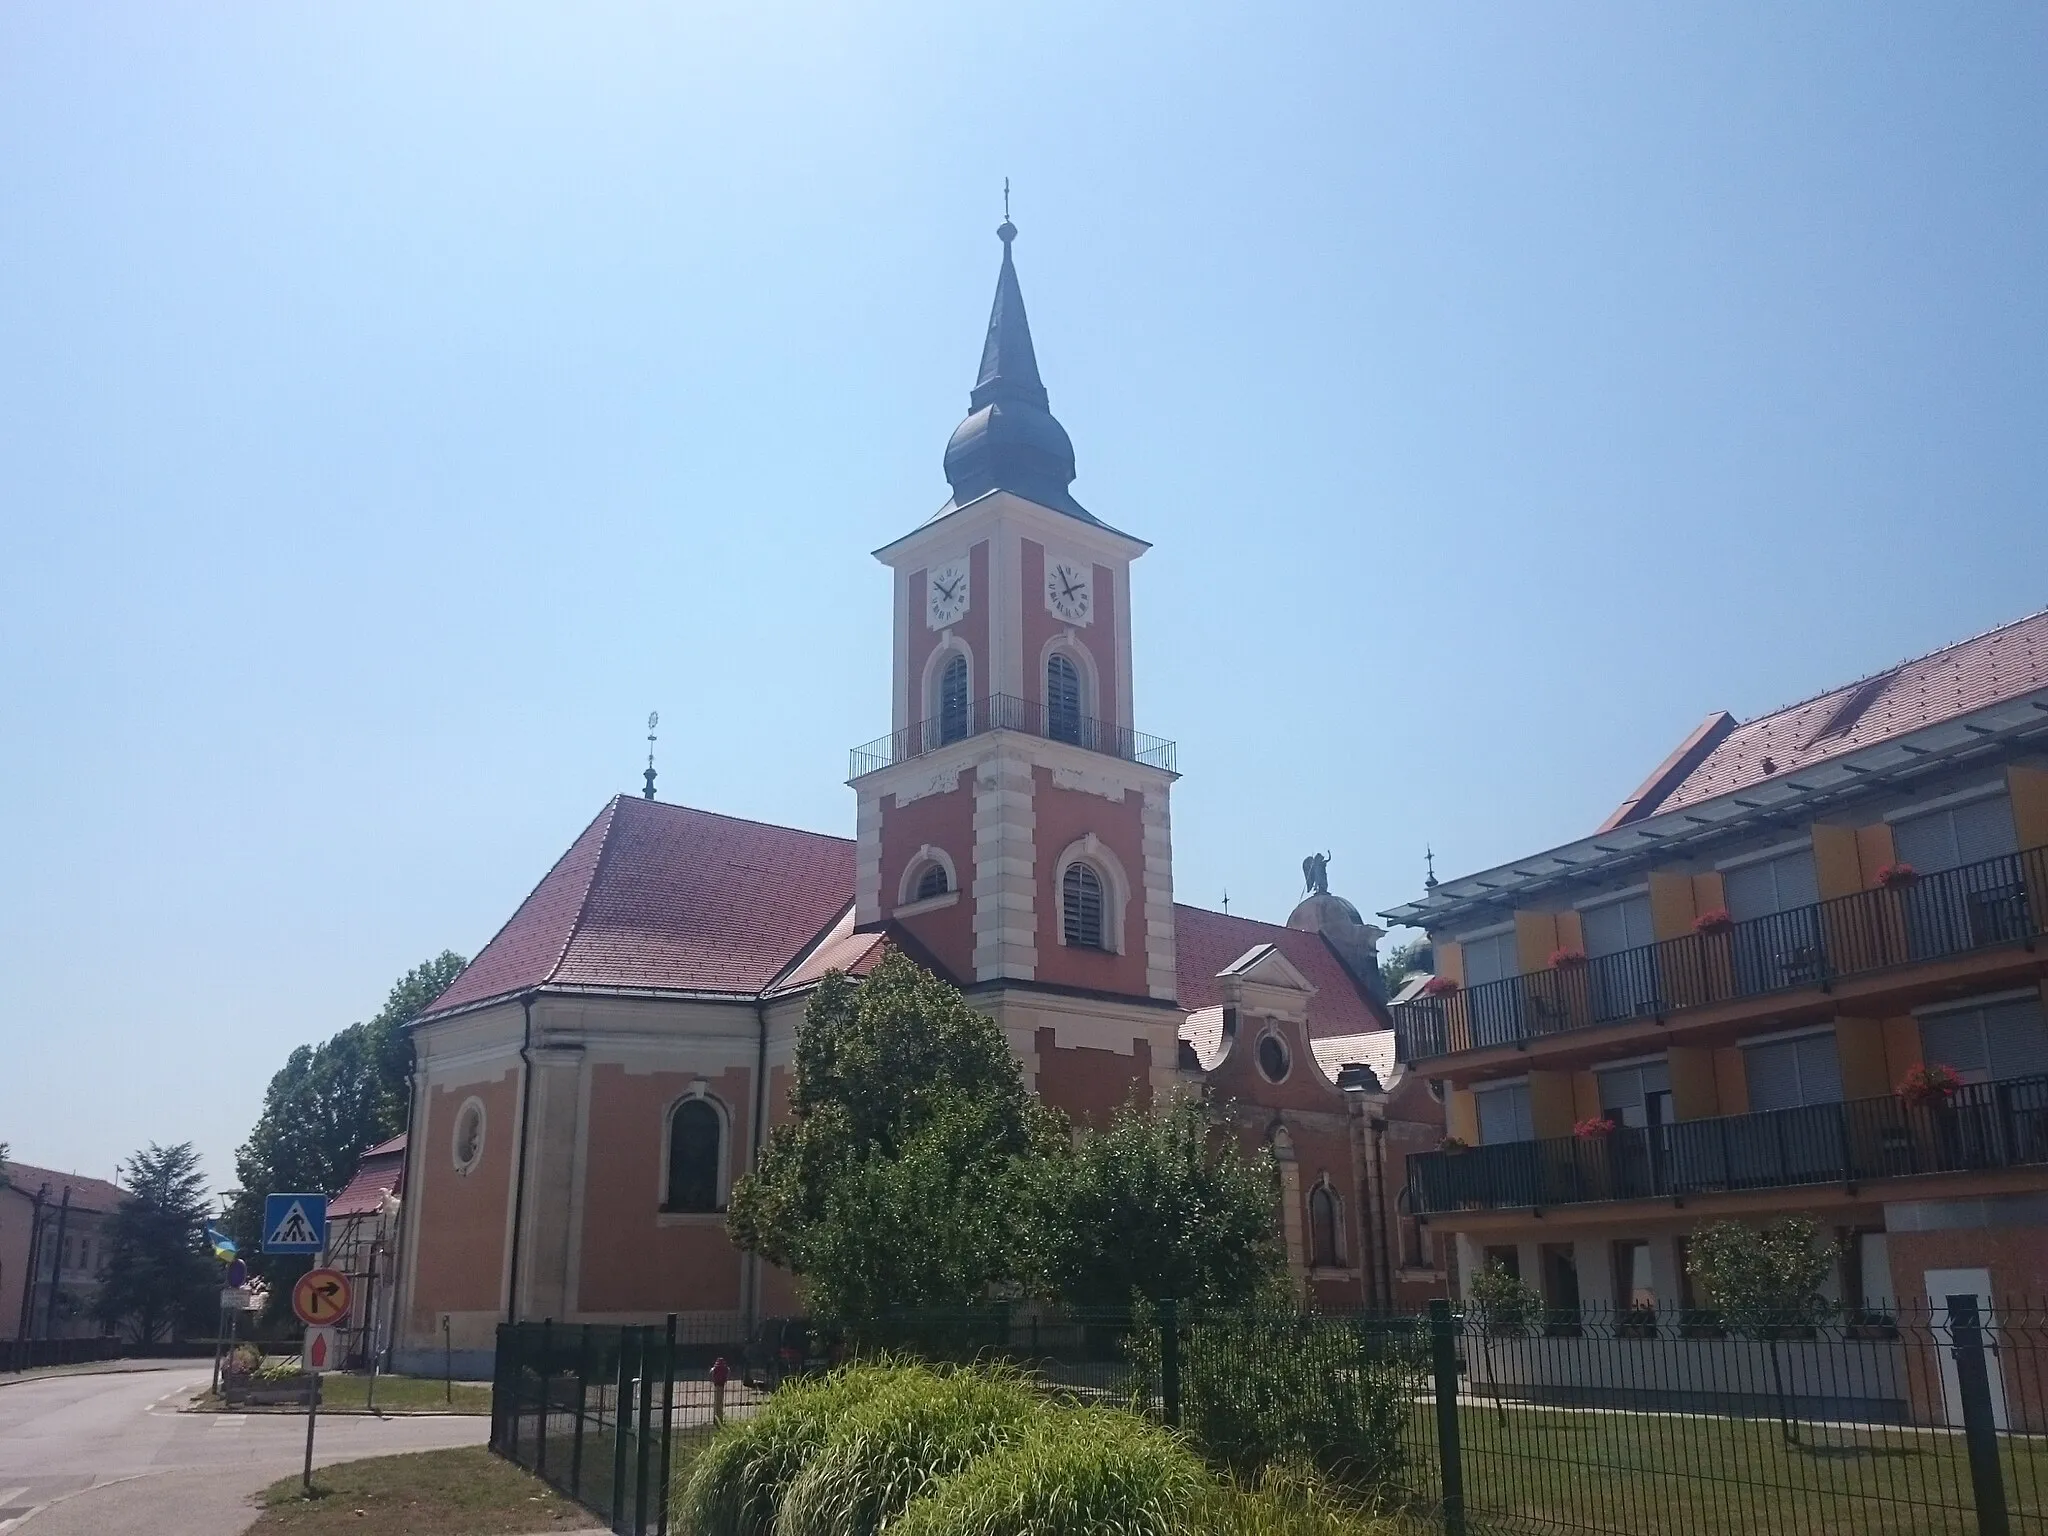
(223, 1246)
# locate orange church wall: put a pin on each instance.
(462, 1267)
(1088, 1084)
(1040, 625)
(1065, 816)
(634, 1260)
(944, 821)
(1100, 638)
(972, 628)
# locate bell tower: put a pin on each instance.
(1014, 823)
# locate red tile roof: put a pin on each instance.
(1205, 942)
(845, 948)
(86, 1194)
(1986, 669)
(379, 1172)
(664, 898)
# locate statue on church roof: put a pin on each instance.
(1315, 874)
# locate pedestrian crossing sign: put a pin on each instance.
(294, 1223)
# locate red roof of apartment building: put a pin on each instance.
(86, 1194)
(666, 898)
(1987, 669)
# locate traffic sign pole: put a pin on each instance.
(312, 1416)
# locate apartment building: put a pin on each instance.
(1714, 1006)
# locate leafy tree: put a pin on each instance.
(324, 1107)
(159, 1277)
(897, 1182)
(1765, 1280)
(1497, 1299)
(1158, 1205)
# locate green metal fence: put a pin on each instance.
(1930, 1418)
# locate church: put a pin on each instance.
(587, 1091)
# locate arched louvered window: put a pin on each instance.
(1062, 698)
(1322, 1228)
(1081, 906)
(953, 701)
(695, 1138)
(932, 882)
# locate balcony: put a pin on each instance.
(1986, 1125)
(1006, 712)
(1977, 906)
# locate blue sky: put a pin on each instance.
(399, 401)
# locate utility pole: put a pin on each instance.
(56, 1265)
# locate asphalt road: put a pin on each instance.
(107, 1455)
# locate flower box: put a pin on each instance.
(1716, 921)
(1454, 1144)
(1440, 986)
(1895, 877)
(1925, 1085)
(1594, 1128)
(1567, 959)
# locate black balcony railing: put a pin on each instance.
(1977, 906)
(1007, 712)
(1985, 1125)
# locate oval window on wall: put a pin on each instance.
(469, 1135)
(1273, 1057)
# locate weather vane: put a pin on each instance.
(1006, 199)
(653, 719)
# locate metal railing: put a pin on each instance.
(1984, 1125)
(1007, 712)
(1976, 906)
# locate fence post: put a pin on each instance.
(668, 1398)
(1443, 1355)
(582, 1402)
(547, 1365)
(622, 1415)
(1169, 1361)
(498, 1357)
(1980, 1425)
(645, 1421)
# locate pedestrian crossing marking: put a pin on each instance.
(295, 1231)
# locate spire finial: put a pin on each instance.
(1429, 863)
(653, 719)
(1006, 231)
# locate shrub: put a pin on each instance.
(1289, 1500)
(1076, 1472)
(1267, 1387)
(735, 1486)
(884, 1451)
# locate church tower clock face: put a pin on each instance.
(946, 594)
(1068, 591)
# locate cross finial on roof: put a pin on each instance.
(1006, 199)
(653, 719)
(1429, 863)
(1226, 901)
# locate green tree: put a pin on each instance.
(159, 1277)
(1765, 1281)
(1157, 1205)
(898, 1180)
(327, 1103)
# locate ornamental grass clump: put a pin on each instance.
(735, 1487)
(1076, 1472)
(922, 1427)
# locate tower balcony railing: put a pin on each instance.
(1978, 1127)
(1985, 905)
(1007, 712)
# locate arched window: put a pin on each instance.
(932, 882)
(1081, 906)
(1322, 1228)
(953, 701)
(1062, 698)
(695, 1135)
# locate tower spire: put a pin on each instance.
(1010, 440)
(653, 719)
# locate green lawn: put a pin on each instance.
(467, 1492)
(1639, 1474)
(343, 1391)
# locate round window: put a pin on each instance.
(469, 1135)
(1273, 1057)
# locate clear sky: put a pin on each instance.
(399, 401)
